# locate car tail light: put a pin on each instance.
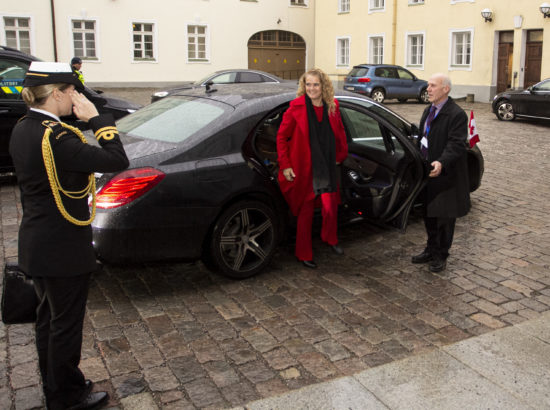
(364, 80)
(128, 186)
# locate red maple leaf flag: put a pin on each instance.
(473, 136)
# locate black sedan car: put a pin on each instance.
(230, 76)
(533, 102)
(202, 180)
(13, 67)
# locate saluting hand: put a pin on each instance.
(288, 173)
(83, 108)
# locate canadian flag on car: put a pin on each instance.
(473, 136)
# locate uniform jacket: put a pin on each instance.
(448, 195)
(293, 151)
(49, 245)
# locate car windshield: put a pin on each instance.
(172, 119)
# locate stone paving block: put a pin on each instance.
(221, 373)
(142, 401)
(279, 358)
(24, 375)
(256, 372)
(316, 364)
(94, 369)
(203, 393)
(160, 379)
(28, 398)
(186, 368)
(129, 384)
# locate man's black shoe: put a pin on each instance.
(310, 264)
(337, 250)
(437, 265)
(423, 257)
(93, 401)
(88, 387)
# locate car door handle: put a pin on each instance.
(358, 177)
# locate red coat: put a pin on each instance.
(294, 152)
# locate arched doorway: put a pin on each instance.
(278, 52)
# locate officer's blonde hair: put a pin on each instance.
(37, 95)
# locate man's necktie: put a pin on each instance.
(424, 142)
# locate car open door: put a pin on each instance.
(384, 171)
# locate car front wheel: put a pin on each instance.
(378, 95)
(244, 239)
(505, 111)
(424, 98)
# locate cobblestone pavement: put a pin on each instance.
(176, 336)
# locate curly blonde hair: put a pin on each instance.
(326, 87)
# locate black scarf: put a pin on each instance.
(323, 150)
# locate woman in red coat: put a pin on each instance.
(310, 143)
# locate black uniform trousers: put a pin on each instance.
(60, 319)
(440, 236)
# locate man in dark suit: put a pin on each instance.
(444, 129)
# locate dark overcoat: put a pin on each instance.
(448, 195)
(49, 245)
(293, 151)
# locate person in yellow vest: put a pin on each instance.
(76, 65)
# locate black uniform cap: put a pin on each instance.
(41, 73)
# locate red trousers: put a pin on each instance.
(329, 211)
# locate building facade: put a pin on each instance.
(482, 56)
(147, 43)
(142, 43)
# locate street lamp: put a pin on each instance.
(487, 14)
(545, 9)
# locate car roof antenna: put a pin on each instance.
(208, 87)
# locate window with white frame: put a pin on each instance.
(196, 43)
(342, 51)
(18, 33)
(461, 48)
(343, 6)
(298, 3)
(416, 1)
(142, 38)
(84, 38)
(377, 4)
(415, 49)
(376, 49)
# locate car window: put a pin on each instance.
(12, 74)
(172, 119)
(250, 78)
(267, 79)
(404, 74)
(358, 72)
(225, 78)
(544, 86)
(366, 130)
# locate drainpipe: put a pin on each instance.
(394, 31)
(53, 31)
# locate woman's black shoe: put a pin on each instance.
(337, 250)
(310, 264)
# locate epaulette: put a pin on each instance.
(57, 128)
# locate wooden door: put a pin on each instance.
(533, 59)
(504, 68)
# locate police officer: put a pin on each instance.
(76, 64)
(55, 172)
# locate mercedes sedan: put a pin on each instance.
(202, 179)
(533, 102)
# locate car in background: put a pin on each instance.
(202, 181)
(533, 102)
(226, 77)
(385, 81)
(13, 67)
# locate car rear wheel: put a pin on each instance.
(244, 239)
(505, 111)
(424, 98)
(378, 95)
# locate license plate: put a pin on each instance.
(350, 88)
